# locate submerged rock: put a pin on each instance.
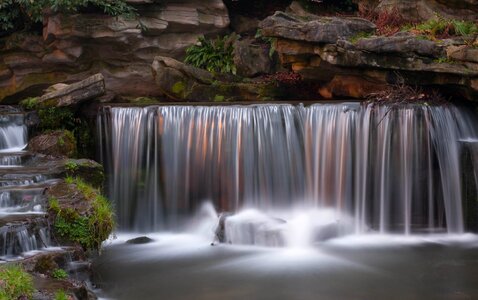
(140, 240)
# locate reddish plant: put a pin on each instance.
(283, 78)
(388, 21)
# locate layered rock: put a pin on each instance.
(349, 66)
(75, 46)
(419, 10)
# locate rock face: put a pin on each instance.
(251, 60)
(347, 66)
(418, 10)
(76, 46)
(184, 82)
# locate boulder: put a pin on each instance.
(59, 143)
(251, 60)
(60, 95)
(317, 30)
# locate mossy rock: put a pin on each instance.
(80, 214)
(88, 170)
(57, 143)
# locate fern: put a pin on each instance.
(213, 55)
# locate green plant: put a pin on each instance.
(29, 103)
(443, 60)
(23, 13)
(361, 35)
(15, 283)
(54, 118)
(214, 55)
(442, 27)
(61, 295)
(59, 274)
(71, 166)
(269, 40)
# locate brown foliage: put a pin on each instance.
(388, 22)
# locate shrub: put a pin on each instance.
(18, 13)
(214, 55)
(388, 21)
(15, 283)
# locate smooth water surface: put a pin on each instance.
(179, 267)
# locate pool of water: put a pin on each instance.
(187, 266)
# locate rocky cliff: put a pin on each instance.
(75, 46)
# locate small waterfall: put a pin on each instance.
(388, 168)
(13, 133)
(15, 240)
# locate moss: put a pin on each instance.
(218, 98)
(88, 230)
(444, 60)
(178, 87)
(29, 103)
(90, 171)
(15, 283)
(54, 118)
(361, 35)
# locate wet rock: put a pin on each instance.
(60, 143)
(140, 240)
(251, 60)
(60, 95)
(32, 119)
(254, 228)
(220, 231)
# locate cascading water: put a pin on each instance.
(13, 133)
(381, 168)
(23, 226)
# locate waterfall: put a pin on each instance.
(389, 168)
(13, 133)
